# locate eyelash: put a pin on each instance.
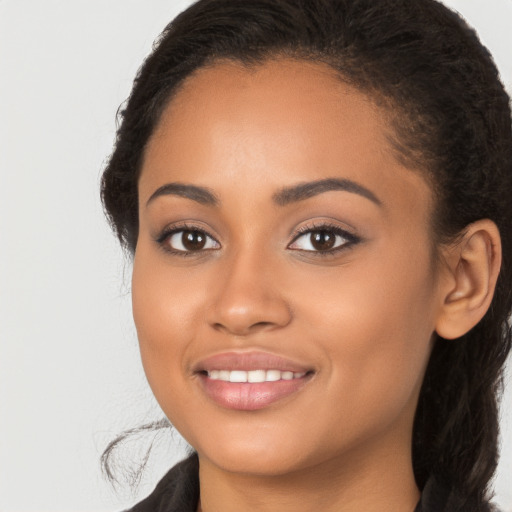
(350, 239)
(165, 236)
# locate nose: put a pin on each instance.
(248, 297)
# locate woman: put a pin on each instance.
(317, 197)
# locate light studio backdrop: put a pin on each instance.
(70, 376)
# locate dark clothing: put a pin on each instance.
(178, 491)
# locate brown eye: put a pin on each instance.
(322, 240)
(189, 240)
(193, 240)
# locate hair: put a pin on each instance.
(451, 118)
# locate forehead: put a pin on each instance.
(296, 97)
(281, 122)
(228, 85)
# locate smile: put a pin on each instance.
(250, 380)
(253, 376)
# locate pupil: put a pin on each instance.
(322, 240)
(193, 240)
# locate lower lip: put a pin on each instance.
(245, 396)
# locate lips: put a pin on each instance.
(246, 361)
(251, 380)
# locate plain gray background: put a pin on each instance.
(70, 377)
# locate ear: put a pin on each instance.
(467, 285)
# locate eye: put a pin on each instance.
(187, 241)
(322, 239)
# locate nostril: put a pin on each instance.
(261, 325)
(242, 329)
(243, 314)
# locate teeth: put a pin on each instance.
(224, 375)
(253, 375)
(273, 375)
(256, 376)
(237, 376)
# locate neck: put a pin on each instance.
(377, 479)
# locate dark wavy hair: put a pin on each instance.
(452, 121)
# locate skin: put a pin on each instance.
(362, 318)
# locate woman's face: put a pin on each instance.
(282, 242)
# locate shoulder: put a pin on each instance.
(177, 491)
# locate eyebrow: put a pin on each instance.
(201, 195)
(306, 190)
(283, 197)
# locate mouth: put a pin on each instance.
(252, 380)
(253, 376)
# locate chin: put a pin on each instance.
(247, 462)
(264, 456)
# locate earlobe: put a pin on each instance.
(473, 265)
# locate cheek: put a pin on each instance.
(165, 309)
(375, 323)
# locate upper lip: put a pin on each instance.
(246, 361)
